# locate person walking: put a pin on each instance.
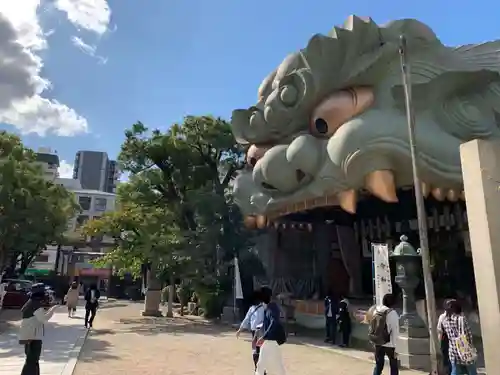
(344, 322)
(253, 319)
(91, 304)
(331, 309)
(443, 339)
(462, 353)
(273, 336)
(72, 299)
(383, 332)
(32, 329)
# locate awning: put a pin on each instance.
(37, 272)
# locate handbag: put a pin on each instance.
(465, 349)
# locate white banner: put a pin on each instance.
(381, 272)
(238, 290)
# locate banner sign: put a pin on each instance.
(381, 272)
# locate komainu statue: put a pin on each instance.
(330, 121)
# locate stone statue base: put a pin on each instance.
(152, 303)
(414, 353)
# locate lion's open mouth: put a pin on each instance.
(348, 201)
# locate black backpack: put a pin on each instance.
(378, 333)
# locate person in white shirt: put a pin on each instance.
(252, 322)
(32, 330)
(388, 346)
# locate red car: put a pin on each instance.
(17, 293)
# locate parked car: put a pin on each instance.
(17, 293)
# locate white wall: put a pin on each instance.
(51, 252)
(69, 183)
(94, 211)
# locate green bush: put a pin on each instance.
(210, 300)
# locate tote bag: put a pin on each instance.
(465, 349)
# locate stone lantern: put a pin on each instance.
(414, 335)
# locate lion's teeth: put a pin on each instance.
(425, 189)
(382, 185)
(452, 195)
(348, 200)
(438, 193)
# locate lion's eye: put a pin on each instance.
(337, 109)
(289, 95)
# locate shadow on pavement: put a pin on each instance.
(109, 305)
(175, 326)
(9, 319)
(95, 349)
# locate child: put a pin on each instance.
(344, 322)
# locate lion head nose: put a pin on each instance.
(255, 153)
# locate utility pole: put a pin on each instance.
(436, 360)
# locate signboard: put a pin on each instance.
(98, 272)
(37, 272)
(381, 272)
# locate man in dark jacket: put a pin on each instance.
(274, 335)
(331, 309)
(91, 304)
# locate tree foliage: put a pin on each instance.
(143, 230)
(34, 211)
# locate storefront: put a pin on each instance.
(98, 276)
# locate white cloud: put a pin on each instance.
(21, 85)
(92, 15)
(88, 49)
(65, 169)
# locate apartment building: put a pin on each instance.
(96, 171)
(49, 162)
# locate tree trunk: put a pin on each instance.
(171, 293)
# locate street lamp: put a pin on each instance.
(436, 363)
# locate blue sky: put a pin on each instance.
(158, 60)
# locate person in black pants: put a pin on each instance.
(331, 308)
(344, 322)
(31, 332)
(91, 304)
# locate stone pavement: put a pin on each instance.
(123, 342)
(64, 338)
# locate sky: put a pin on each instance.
(74, 74)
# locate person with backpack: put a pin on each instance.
(273, 337)
(462, 353)
(253, 319)
(331, 308)
(383, 332)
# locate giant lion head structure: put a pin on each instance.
(330, 124)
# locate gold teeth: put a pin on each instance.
(442, 194)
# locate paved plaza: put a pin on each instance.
(63, 341)
(123, 342)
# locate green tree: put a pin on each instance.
(188, 169)
(145, 233)
(34, 212)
